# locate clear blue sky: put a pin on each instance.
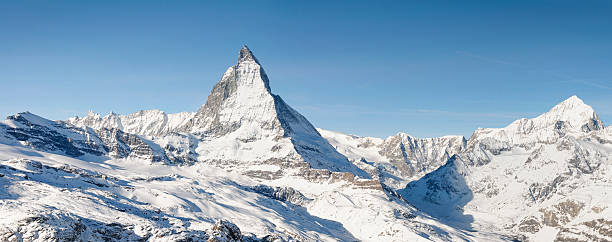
(368, 68)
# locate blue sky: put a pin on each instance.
(428, 68)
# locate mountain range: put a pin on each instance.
(248, 167)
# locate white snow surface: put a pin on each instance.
(161, 202)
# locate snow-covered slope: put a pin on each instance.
(46, 196)
(546, 178)
(43, 194)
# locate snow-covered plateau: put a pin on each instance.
(248, 167)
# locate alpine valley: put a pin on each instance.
(248, 167)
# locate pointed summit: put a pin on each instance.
(572, 102)
(244, 122)
(571, 116)
(574, 112)
(574, 99)
(246, 55)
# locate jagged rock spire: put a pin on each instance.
(246, 55)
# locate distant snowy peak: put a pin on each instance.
(574, 113)
(570, 117)
(420, 155)
(397, 159)
(144, 122)
(96, 121)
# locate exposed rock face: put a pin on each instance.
(59, 137)
(225, 231)
(39, 133)
(284, 194)
(415, 156)
(397, 159)
(119, 144)
(530, 224)
(59, 226)
(179, 148)
(561, 213)
(66, 227)
(599, 230)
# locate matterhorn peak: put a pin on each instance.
(246, 55)
(242, 120)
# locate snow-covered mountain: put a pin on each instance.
(145, 122)
(242, 125)
(27, 129)
(571, 117)
(397, 159)
(248, 167)
(546, 178)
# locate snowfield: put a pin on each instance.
(46, 195)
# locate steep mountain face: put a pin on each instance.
(241, 96)
(36, 132)
(397, 159)
(542, 178)
(418, 156)
(242, 121)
